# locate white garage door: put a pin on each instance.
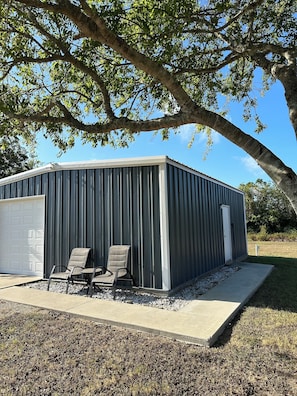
(22, 235)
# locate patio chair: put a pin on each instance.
(77, 262)
(116, 272)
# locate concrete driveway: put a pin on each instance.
(8, 280)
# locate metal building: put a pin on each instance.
(180, 223)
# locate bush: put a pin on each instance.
(263, 235)
(290, 236)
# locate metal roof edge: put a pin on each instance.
(203, 175)
(26, 174)
(111, 163)
(93, 164)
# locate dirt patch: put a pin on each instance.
(49, 353)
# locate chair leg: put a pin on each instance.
(91, 289)
(67, 287)
(48, 283)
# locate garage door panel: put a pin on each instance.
(22, 236)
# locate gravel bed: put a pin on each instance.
(172, 303)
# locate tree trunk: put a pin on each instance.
(288, 77)
(283, 176)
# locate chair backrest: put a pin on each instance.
(78, 258)
(118, 258)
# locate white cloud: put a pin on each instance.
(251, 166)
(202, 137)
(186, 132)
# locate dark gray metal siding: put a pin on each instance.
(97, 208)
(195, 224)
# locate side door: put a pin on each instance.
(226, 219)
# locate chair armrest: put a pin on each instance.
(76, 271)
(119, 269)
(127, 272)
(62, 267)
(75, 268)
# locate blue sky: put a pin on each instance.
(225, 161)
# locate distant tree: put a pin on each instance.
(267, 205)
(14, 158)
(106, 70)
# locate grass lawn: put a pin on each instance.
(49, 353)
(270, 318)
(274, 249)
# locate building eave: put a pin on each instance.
(109, 163)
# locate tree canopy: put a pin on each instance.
(107, 70)
(14, 158)
(268, 207)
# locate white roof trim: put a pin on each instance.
(111, 163)
(94, 164)
(27, 174)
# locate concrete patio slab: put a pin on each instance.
(8, 280)
(200, 322)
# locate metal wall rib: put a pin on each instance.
(195, 224)
(97, 208)
(104, 206)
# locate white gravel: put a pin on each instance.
(172, 303)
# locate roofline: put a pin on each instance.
(110, 163)
(93, 164)
(203, 175)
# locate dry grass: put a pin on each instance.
(46, 353)
(274, 249)
(273, 309)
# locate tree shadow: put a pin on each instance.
(278, 292)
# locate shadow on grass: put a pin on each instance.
(278, 292)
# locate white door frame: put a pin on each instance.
(164, 229)
(227, 232)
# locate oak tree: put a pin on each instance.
(107, 70)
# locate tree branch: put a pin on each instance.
(249, 7)
(133, 126)
(68, 57)
(92, 25)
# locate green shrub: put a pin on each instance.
(263, 235)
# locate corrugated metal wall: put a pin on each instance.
(120, 205)
(195, 224)
(97, 208)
